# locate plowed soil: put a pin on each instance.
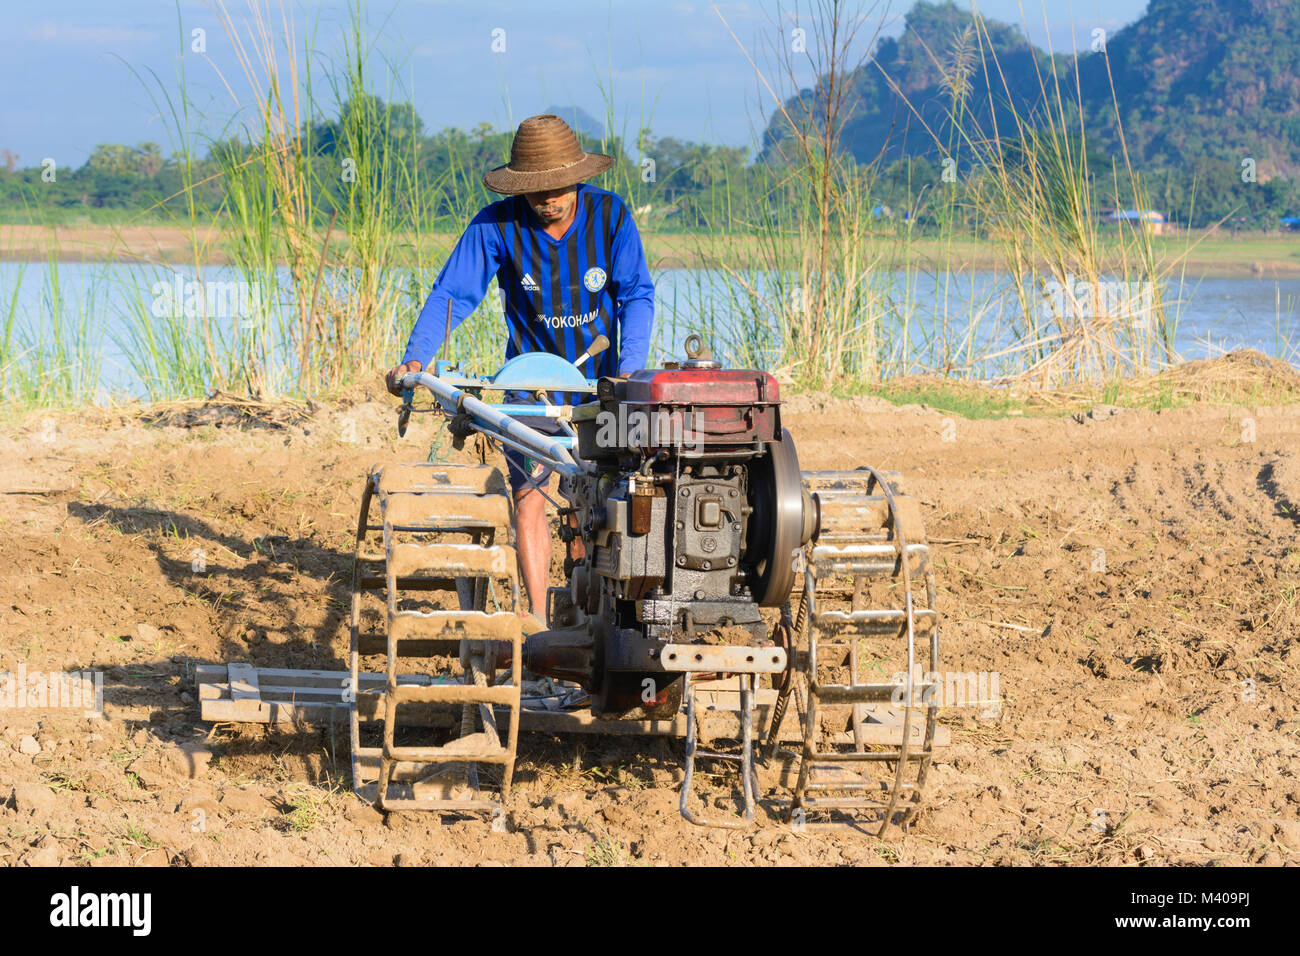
(1132, 578)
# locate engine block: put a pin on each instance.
(687, 526)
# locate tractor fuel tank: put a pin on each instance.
(680, 410)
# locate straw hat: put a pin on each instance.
(544, 155)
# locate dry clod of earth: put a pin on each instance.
(160, 766)
(245, 801)
(45, 853)
(1097, 414)
(30, 799)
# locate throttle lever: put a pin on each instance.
(598, 345)
(404, 413)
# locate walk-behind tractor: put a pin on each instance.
(709, 582)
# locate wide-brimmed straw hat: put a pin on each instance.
(544, 155)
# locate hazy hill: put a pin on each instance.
(1194, 80)
(1216, 78)
(579, 119)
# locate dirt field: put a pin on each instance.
(1132, 579)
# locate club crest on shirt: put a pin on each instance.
(594, 280)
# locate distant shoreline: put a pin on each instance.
(1254, 255)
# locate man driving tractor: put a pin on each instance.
(568, 259)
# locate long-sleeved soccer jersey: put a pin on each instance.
(559, 293)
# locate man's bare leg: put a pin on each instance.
(533, 539)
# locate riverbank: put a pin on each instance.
(1197, 253)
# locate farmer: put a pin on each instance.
(569, 261)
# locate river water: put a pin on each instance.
(98, 311)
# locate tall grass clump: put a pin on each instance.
(13, 369)
(1088, 306)
(826, 287)
(812, 295)
(382, 202)
(171, 354)
(818, 279)
(323, 217)
(270, 202)
(52, 355)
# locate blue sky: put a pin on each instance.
(66, 82)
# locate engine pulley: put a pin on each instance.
(781, 521)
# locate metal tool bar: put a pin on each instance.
(548, 449)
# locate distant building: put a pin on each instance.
(1155, 222)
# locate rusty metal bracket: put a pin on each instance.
(715, 659)
(748, 775)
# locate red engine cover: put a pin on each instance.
(728, 405)
(701, 386)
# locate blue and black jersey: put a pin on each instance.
(559, 293)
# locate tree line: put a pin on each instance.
(673, 184)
